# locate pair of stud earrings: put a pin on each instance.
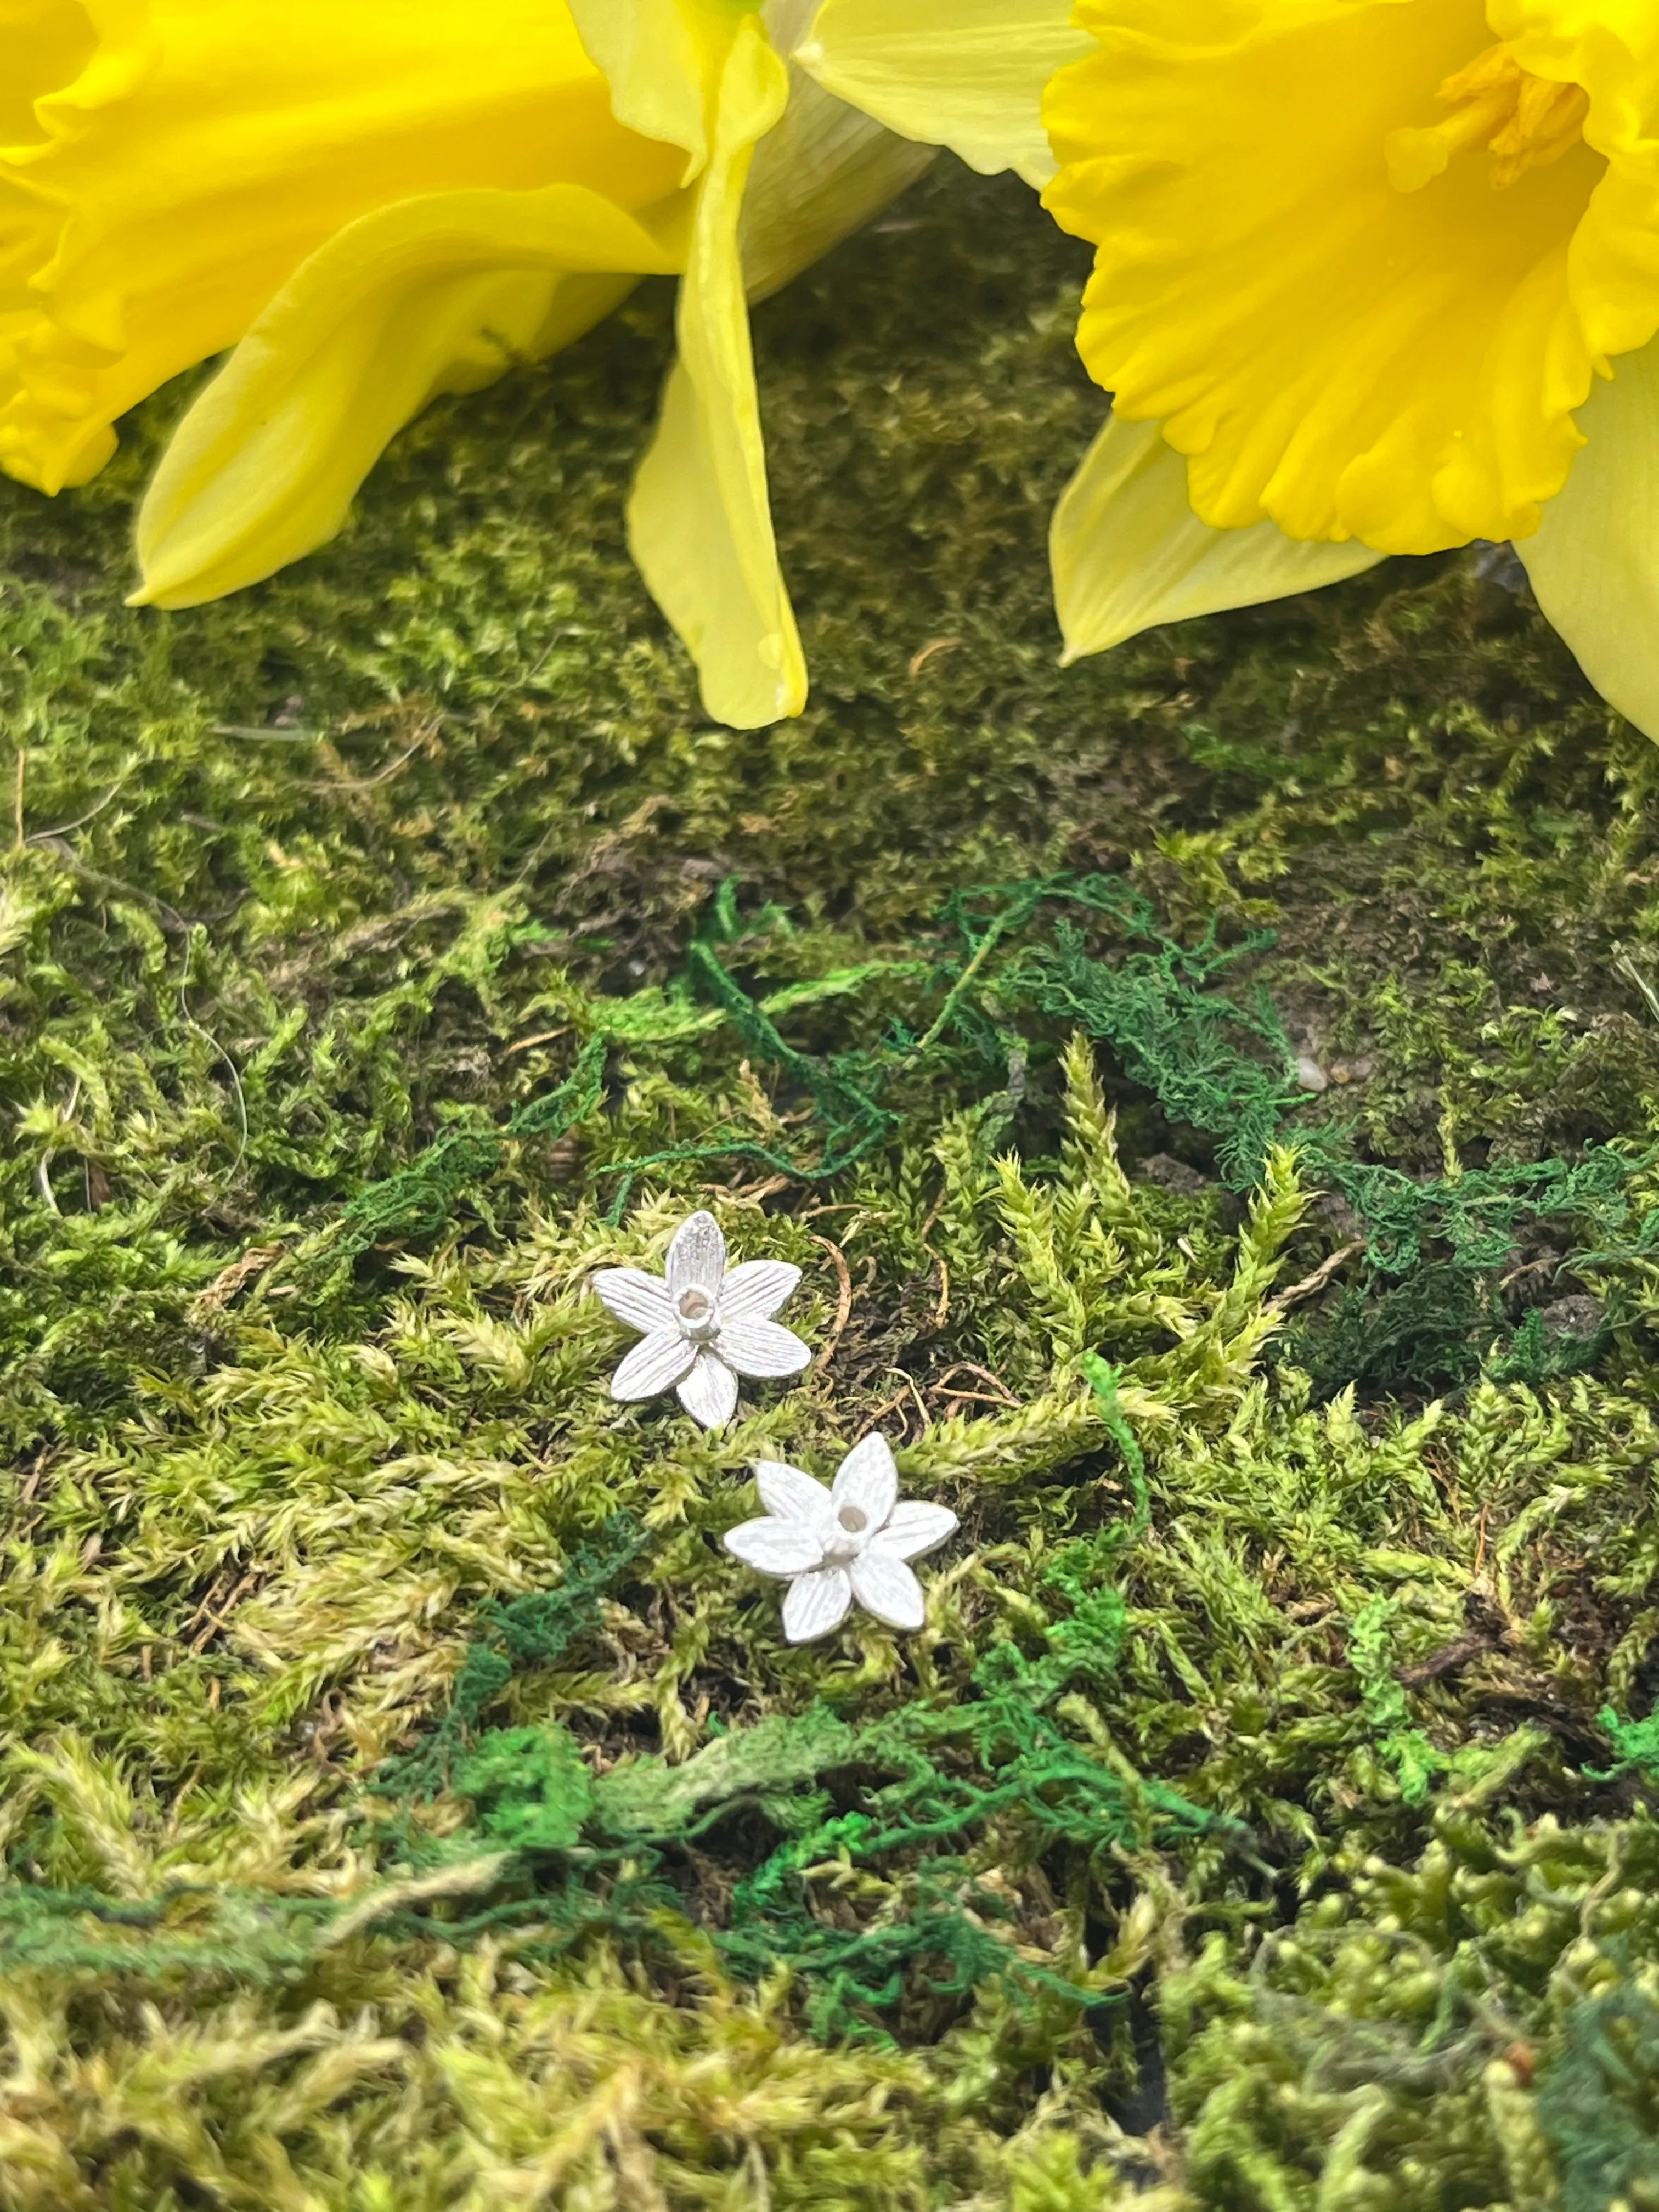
(702, 1325)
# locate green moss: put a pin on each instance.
(359, 939)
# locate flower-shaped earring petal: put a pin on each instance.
(704, 1325)
(853, 1540)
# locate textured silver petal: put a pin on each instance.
(868, 1480)
(635, 1298)
(913, 1529)
(775, 1547)
(754, 1290)
(761, 1348)
(656, 1364)
(793, 1496)
(885, 1587)
(697, 1257)
(709, 1392)
(817, 1603)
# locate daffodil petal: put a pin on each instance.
(659, 57)
(429, 294)
(165, 166)
(965, 74)
(822, 170)
(1594, 559)
(699, 525)
(1129, 552)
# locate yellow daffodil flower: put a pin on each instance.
(1128, 550)
(375, 202)
(1402, 292)
(1372, 276)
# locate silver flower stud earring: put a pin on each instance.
(851, 1540)
(704, 1325)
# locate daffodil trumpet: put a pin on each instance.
(374, 204)
(1370, 277)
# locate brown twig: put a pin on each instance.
(752, 1193)
(216, 1621)
(1529, 1267)
(920, 660)
(920, 1402)
(348, 785)
(887, 1405)
(1480, 1541)
(236, 1277)
(32, 1481)
(542, 1036)
(1457, 1653)
(1310, 1286)
(1006, 1396)
(843, 1304)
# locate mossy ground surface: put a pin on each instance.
(407, 1804)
